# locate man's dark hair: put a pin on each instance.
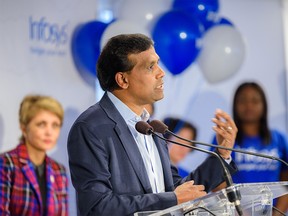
(263, 126)
(114, 57)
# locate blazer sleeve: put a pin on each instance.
(210, 173)
(5, 185)
(90, 171)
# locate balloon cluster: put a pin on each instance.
(184, 32)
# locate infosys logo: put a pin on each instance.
(44, 31)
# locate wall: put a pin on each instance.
(42, 64)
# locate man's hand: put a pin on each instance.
(226, 132)
(188, 191)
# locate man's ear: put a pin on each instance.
(122, 80)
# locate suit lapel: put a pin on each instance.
(51, 186)
(127, 141)
(28, 170)
(29, 173)
(135, 157)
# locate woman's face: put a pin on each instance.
(42, 132)
(249, 105)
(178, 153)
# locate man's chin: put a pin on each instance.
(159, 98)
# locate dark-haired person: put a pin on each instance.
(115, 169)
(32, 183)
(250, 112)
(183, 129)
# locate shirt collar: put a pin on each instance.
(126, 112)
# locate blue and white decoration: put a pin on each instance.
(184, 31)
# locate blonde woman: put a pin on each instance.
(31, 183)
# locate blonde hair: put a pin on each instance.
(32, 104)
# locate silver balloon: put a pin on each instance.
(222, 54)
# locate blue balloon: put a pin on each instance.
(224, 21)
(176, 35)
(86, 45)
(216, 22)
(204, 10)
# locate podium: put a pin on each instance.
(256, 200)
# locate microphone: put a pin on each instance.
(160, 127)
(233, 193)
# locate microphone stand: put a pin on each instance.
(233, 193)
(164, 129)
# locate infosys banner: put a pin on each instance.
(35, 53)
(48, 38)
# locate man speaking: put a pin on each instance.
(119, 171)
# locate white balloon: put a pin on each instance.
(143, 12)
(120, 27)
(222, 53)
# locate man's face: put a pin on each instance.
(146, 78)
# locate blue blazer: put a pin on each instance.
(108, 172)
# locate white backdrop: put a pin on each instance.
(285, 27)
(32, 63)
(36, 64)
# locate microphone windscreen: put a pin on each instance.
(159, 126)
(143, 127)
